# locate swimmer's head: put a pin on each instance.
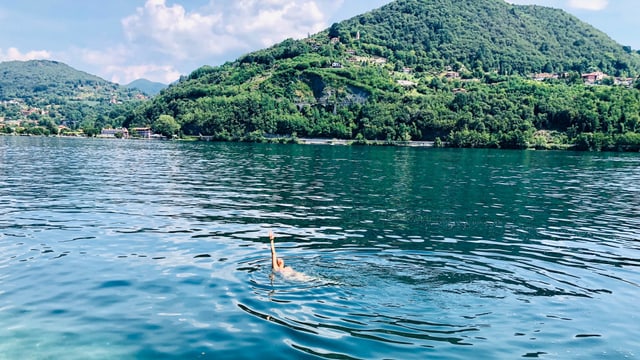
(280, 262)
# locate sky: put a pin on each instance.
(124, 40)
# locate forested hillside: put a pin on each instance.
(458, 70)
(486, 36)
(49, 93)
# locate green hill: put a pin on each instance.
(418, 70)
(42, 91)
(486, 35)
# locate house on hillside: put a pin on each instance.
(27, 112)
(313, 43)
(377, 60)
(594, 77)
(406, 83)
(623, 81)
(545, 76)
(452, 75)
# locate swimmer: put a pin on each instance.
(277, 264)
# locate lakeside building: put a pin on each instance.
(111, 133)
(138, 133)
(143, 132)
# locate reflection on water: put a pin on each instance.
(125, 249)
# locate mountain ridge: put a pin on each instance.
(20, 78)
(147, 86)
(528, 36)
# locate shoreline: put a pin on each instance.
(342, 142)
(281, 140)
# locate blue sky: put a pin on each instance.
(123, 40)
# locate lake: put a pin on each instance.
(159, 250)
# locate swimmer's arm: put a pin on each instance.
(274, 256)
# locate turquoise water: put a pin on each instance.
(158, 250)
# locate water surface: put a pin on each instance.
(148, 250)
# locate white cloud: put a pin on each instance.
(172, 30)
(120, 64)
(125, 74)
(161, 37)
(224, 26)
(595, 5)
(263, 23)
(13, 53)
(109, 56)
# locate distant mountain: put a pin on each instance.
(29, 80)
(43, 90)
(148, 87)
(419, 69)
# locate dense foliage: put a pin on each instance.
(454, 71)
(449, 70)
(486, 36)
(40, 94)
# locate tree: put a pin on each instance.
(90, 131)
(335, 30)
(608, 81)
(165, 125)
(50, 125)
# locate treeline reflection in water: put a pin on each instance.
(158, 249)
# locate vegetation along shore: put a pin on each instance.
(482, 73)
